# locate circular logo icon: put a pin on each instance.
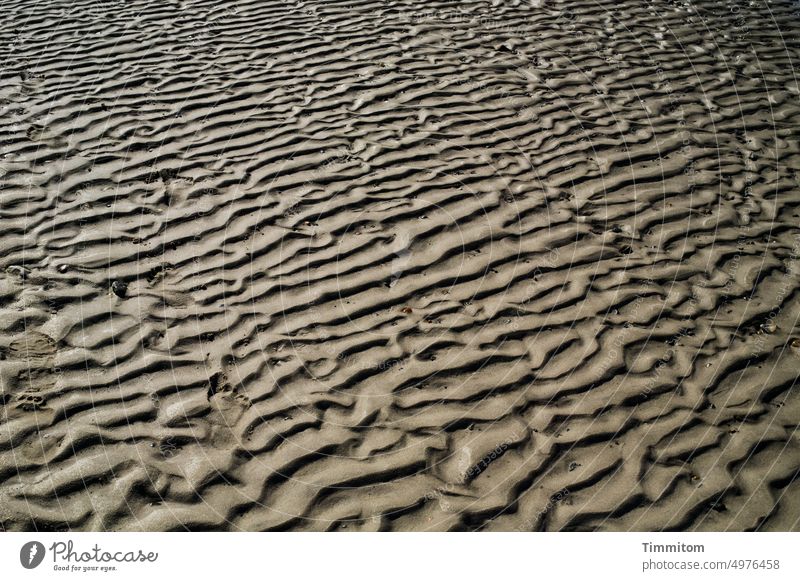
(31, 554)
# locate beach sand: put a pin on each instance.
(399, 265)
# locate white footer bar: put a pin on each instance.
(355, 556)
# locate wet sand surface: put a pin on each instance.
(379, 265)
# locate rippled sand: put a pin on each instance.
(382, 265)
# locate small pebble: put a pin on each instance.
(119, 288)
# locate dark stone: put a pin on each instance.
(119, 288)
